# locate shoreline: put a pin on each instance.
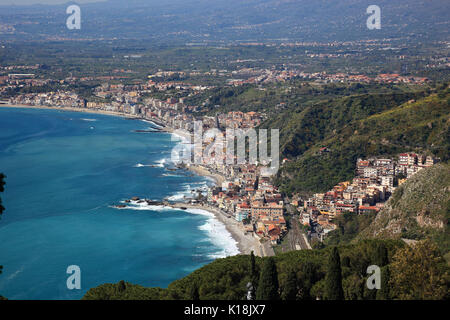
(81, 110)
(245, 243)
(200, 171)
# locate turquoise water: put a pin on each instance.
(64, 171)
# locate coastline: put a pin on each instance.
(246, 243)
(201, 171)
(82, 110)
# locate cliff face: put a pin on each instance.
(420, 208)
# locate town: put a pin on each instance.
(375, 181)
(244, 192)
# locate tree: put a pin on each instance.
(2, 182)
(290, 288)
(194, 294)
(419, 272)
(253, 276)
(122, 286)
(307, 279)
(333, 281)
(383, 293)
(268, 281)
(253, 273)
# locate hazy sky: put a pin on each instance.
(25, 2)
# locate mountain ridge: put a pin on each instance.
(232, 20)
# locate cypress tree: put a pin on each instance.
(268, 281)
(383, 293)
(252, 263)
(346, 261)
(333, 281)
(194, 294)
(122, 286)
(290, 289)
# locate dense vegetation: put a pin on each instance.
(291, 96)
(310, 274)
(349, 226)
(359, 126)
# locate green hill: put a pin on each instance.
(359, 126)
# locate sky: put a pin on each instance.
(28, 2)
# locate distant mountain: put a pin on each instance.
(215, 21)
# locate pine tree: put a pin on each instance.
(333, 281)
(268, 281)
(290, 288)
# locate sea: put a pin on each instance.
(68, 173)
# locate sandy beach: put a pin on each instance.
(201, 171)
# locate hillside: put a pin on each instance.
(358, 126)
(203, 21)
(420, 208)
